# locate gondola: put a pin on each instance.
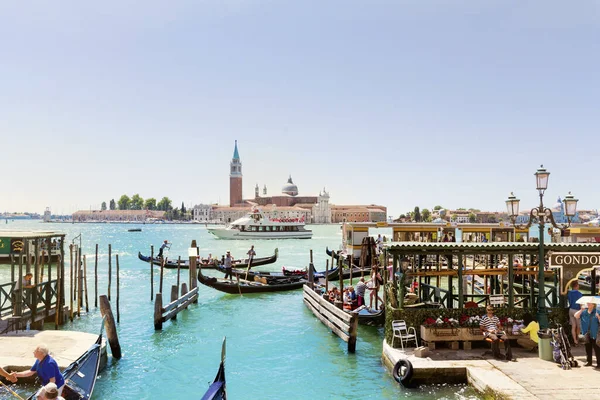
(134, 230)
(217, 390)
(269, 276)
(212, 264)
(336, 255)
(240, 286)
(80, 376)
(368, 316)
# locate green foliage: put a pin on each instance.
(492, 219)
(124, 202)
(164, 204)
(150, 204)
(112, 204)
(472, 218)
(426, 215)
(183, 208)
(137, 203)
(436, 208)
(103, 206)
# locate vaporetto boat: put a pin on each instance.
(257, 225)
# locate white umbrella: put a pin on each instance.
(589, 299)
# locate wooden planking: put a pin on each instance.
(345, 327)
(182, 299)
(180, 307)
(344, 336)
(339, 313)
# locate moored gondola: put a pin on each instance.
(212, 264)
(241, 286)
(217, 390)
(371, 317)
(267, 275)
(80, 376)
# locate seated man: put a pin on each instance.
(531, 327)
(491, 329)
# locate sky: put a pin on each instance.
(394, 102)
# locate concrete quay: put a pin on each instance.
(528, 378)
(65, 347)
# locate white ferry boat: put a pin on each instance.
(256, 225)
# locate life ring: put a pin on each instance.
(403, 373)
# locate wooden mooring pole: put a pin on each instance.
(87, 307)
(96, 278)
(151, 272)
(109, 325)
(158, 312)
(71, 285)
(109, 269)
(178, 270)
(118, 313)
(79, 284)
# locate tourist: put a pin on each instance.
(251, 253)
(45, 367)
(361, 288)
(379, 244)
(574, 295)
(334, 294)
(589, 328)
(49, 392)
(227, 263)
(531, 327)
(445, 239)
(492, 331)
(374, 283)
(165, 245)
(350, 298)
(27, 280)
(7, 375)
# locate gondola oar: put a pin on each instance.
(11, 391)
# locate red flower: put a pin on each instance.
(430, 321)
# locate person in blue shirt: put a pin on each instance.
(590, 321)
(574, 295)
(45, 367)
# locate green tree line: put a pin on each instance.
(136, 202)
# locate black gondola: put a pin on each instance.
(212, 264)
(80, 376)
(367, 316)
(240, 286)
(134, 230)
(268, 276)
(217, 390)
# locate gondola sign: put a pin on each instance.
(572, 264)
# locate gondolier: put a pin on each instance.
(251, 253)
(227, 264)
(166, 245)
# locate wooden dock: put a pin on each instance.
(528, 378)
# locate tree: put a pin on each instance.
(417, 214)
(426, 215)
(472, 218)
(436, 208)
(124, 202)
(150, 204)
(164, 204)
(182, 208)
(137, 203)
(112, 204)
(103, 206)
(492, 219)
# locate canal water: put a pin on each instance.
(276, 348)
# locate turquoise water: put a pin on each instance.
(276, 348)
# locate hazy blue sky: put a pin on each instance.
(399, 103)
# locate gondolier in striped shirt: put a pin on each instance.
(227, 262)
(492, 331)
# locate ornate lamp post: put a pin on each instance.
(542, 215)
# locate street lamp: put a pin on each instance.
(543, 215)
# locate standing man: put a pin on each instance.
(45, 367)
(589, 328)
(166, 245)
(574, 295)
(361, 288)
(227, 262)
(251, 253)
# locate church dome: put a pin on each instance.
(290, 188)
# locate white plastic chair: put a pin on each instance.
(404, 333)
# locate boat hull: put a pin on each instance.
(243, 287)
(185, 264)
(234, 234)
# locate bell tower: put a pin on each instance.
(235, 178)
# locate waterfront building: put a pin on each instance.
(202, 212)
(321, 211)
(358, 213)
(235, 178)
(118, 215)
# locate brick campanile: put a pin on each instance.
(235, 178)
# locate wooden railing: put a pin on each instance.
(43, 295)
(343, 324)
(177, 304)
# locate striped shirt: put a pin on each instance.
(489, 323)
